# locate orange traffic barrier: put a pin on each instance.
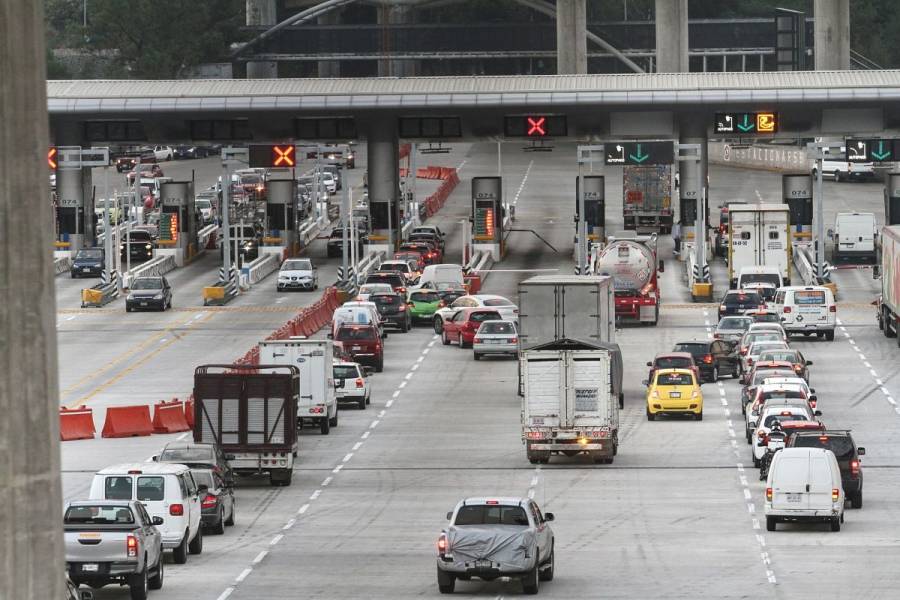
(76, 424)
(473, 282)
(189, 411)
(127, 421)
(168, 417)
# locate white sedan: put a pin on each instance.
(508, 311)
(756, 348)
(351, 384)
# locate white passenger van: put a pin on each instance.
(807, 310)
(166, 490)
(804, 484)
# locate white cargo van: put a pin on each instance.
(807, 310)
(759, 235)
(804, 484)
(853, 237)
(166, 490)
(315, 360)
(444, 273)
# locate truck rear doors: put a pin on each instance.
(567, 388)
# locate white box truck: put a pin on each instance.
(314, 359)
(759, 235)
(571, 401)
(577, 308)
(853, 237)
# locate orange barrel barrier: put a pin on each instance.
(127, 421)
(76, 424)
(168, 417)
(189, 411)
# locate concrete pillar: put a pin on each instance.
(384, 181)
(832, 34)
(74, 189)
(571, 37)
(31, 556)
(262, 12)
(672, 36)
(392, 42)
(329, 68)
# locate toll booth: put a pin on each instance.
(487, 216)
(73, 204)
(179, 221)
(892, 199)
(796, 192)
(281, 215)
(594, 207)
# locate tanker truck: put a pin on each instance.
(631, 261)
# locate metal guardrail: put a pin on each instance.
(62, 265)
(204, 234)
(159, 265)
(368, 264)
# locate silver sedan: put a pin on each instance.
(496, 337)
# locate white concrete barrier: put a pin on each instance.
(261, 268)
(159, 265)
(62, 264)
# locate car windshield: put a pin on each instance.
(785, 355)
(696, 349)
(839, 444)
(345, 372)
(739, 323)
(90, 253)
(296, 265)
(478, 317)
(98, 514)
(497, 302)
(772, 419)
(674, 379)
(139, 235)
(674, 362)
(429, 297)
(497, 327)
(355, 333)
(203, 477)
(202, 203)
(192, 454)
(491, 514)
(742, 299)
(147, 283)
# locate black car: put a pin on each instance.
(714, 358)
(735, 302)
(149, 293)
(393, 310)
(392, 278)
(138, 244)
(335, 243)
(88, 261)
(198, 456)
(847, 453)
(248, 241)
(183, 152)
(217, 504)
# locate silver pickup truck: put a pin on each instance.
(490, 538)
(113, 541)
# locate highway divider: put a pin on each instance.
(157, 266)
(475, 272)
(127, 421)
(103, 293)
(169, 417)
(62, 262)
(260, 268)
(805, 261)
(76, 424)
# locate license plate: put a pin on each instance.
(483, 564)
(495, 341)
(674, 394)
(792, 498)
(85, 268)
(143, 304)
(357, 348)
(90, 567)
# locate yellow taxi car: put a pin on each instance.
(674, 391)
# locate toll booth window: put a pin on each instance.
(773, 235)
(745, 235)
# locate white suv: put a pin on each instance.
(166, 490)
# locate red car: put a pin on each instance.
(429, 251)
(463, 325)
(363, 344)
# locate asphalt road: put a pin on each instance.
(677, 515)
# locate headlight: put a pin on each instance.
(148, 247)
(158, 296)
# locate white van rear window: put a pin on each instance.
(118, 488)
(807, 297)
(151, 488)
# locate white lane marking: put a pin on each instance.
(434, 339)
(740, 467)
(357, 446)
(747, 494)
(425, 351)
(744, 481)
(413, 368)
(276, 539)
(420, 359)
(868, 366)
(408, 376)
(366, 434)
(327, 480)
(402, 385)
(462, 164)
(534, 481)
(395, 394)
(751, 508)
(347, 457)
(259, 557)
(163, 340)
(315, 495)
(374, 424)
(389, 403)
(70, 318)
(200, 315)
(724, 401)
(758, 195)
(755, 523)
(381, 414)
(862, 356)
(303, 509)
(243, 575)
(872, 371)
(531, 494)
(289, 524)
(430, 344)
(225, 594)
(891, 401)
(337, 469)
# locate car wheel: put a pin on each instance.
(856, 500)
(459, 340)
(446, 582)
(715, 375)
(219, 528)
(531, 580)
(380, 366)
(476, 356)
(547, 573)
(156, 582)
(180, 554)
(361, 403)
(837, 176)
(368, 400)
(230, 520)
(127, 308)
(829, 335)
(756, 462)
(650, 415)
(196, 545)
(137, 584)
(835, 523)
(770, 523)
(438, 325)
(334, 421)
(444, 339)
(699, 416)
(324, 426)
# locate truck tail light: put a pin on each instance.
(176, 510)
(535, 435)
(835, 494)
(707, 358)
(786, 309)
(854, 468)
(131, 546)
(209, 501)
(768, 494)
(832, 308)
(442, 544)
(360, 383)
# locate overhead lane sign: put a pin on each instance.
(639, 153)
(273, 155)
(747, 123)
(871, 150)
(535, 126)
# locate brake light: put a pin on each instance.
(401, 290)
(209, 501)
(812, 404)
(786, 309)
(176, 510)
(749, 362)
(722, 308)
(477, 340)
(835, 494)
(762, 437)
(854, 468)
(359, 382)
(402, 308)
(492, 502)
(832, 308)
(707, 358)
(131, 546)
(513, 340)
(768, 494)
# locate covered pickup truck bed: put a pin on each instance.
(482, 549)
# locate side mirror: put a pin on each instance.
(549, 517)
(818, 413)
(157, 520)
(861, 451)
(646, 382)
(812, 390)
(449, 515)
(649, 364)
(809, 363)
(662, 267)
(330, 336)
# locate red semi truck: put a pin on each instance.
(631, 262)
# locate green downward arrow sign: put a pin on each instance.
(881, 154)
(746, 125)
(638, 157)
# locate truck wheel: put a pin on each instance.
(537, 457)
(621, 400)
(137, 584)
(531, 580)
(446, 582)
(770, 523)
(856, 500)
(334, 421)
(156, 582)
(889, 326)
(179, 554)
(196, 545)
(547, 573)
(324, 426)
(829, 335)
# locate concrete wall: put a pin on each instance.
(762, 156)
